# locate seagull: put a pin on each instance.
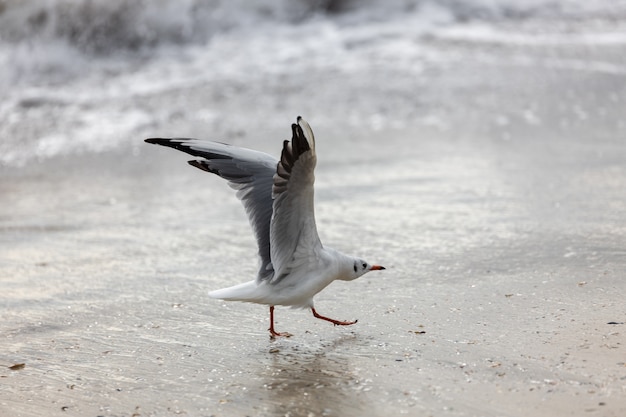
(278, 198)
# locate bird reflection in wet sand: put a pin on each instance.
(278, 198)
(305, 380)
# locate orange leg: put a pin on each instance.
(333, 321)
(274, 333)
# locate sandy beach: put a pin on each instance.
(490, 181)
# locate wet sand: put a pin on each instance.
(499, 211)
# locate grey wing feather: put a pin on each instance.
(247, 171)
(293, 233)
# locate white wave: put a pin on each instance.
(71, 71)
(102, 26)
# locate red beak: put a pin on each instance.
(377, 268)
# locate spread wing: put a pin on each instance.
(247, 171)
(293, 233)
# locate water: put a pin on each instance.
(89, 76)
(474, 148)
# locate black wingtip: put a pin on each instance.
(298, 119)
(299, 142)
(156, 140)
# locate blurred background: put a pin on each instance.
(90, 76)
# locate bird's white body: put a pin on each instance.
(296, 289)
(278, 197)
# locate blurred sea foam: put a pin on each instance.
(66, 64)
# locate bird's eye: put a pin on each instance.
(364, 265)
(355, 267)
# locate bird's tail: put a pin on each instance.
(248, 291)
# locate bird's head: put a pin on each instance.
(360, 267)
